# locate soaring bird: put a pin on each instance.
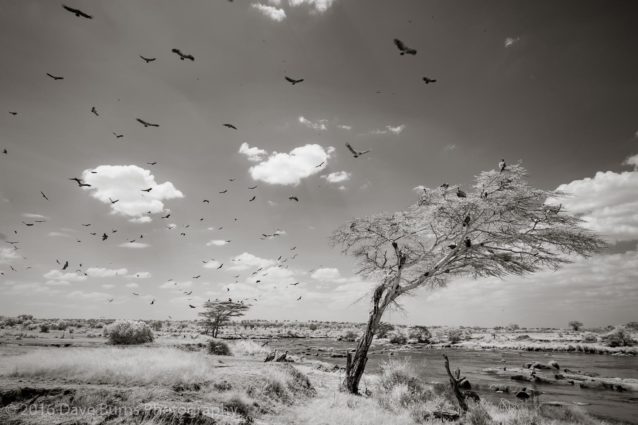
(105, 236)
(13, 113)
(146, 123)
(197, 277)
(80, 182)
(110, 300)
(118, 136)
(252, 199)
(192, 306)
(293, 198)
(77, 12)
(319, 165)
(224, 191)
(293, 81)
(253, 187)
(403, 49)
(460, 193)
(94, 111)
(114, 201)
(502, 165)
(298, 299)
(153, 301)
(152, 163)
(428, 80)
(227, 125)
(294, 284)
(355, 153)
(147, 190)
(55, 77)
(4, 151)
(66, 264)
(220, 266)
(166, 216)
(43, 195)
(147, 60)
(182, 55)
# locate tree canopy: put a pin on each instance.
(218, 313)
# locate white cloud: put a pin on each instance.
(103, 272)
(607, 202)
(35, 216)
(88, 295)
(253, 154)
(7, 255)
(274, 13)
(290, 168)
(139, 275)
(132, 285)
(449, 147)
(510, 41)
(337, 177)
(59, 234)
(247, 260)
(217, 242)
(632, 160)
(318, 125)
(319, 6)
(124, 184)
(396, 130)
(345, 127)
(326, 274)
(212, 264)
(57, 275)
(108, 286)
(134, 245)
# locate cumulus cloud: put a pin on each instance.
(606, 202)
(212, 264)
(247, 260)
(632, 160)
(449, 147)
(103, 272)
(337, 177)
(317, 125)
(132, 285)
(7, 255)
(510, 41)
(396, 130)
(134, 245)
(326, 274)
(139, 275)
(253, 154)
(291, 168)
(124, 184)
(319, 6)
(345, 127)
(58, 234)
(35, 216)
(217, 242)
(272, 12)
(60, 278)
(88, 295)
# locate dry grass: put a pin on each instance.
(248, 347)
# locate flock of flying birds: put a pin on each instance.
(259, 272)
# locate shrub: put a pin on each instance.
(399, 386)
(397, 337)
(349, 336)
(454, 335)
(312, 327)
(512, 327)
(632, 325)
(575, 325)
(619, 337)
(156, 325)
(590, 337)
(218, 348)
(383, 329)
(420, 333)
(478, 415)
(127, 332)
(44, 328)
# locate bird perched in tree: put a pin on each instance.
(77, 12)
(227, 125)
(147, 60)
(502, 165)
(55, 77)
(94, 111)
(466, 221)
(468, 243)
(80, 182)
(354, 152)
(293, 81)
(293, 198)
(428, 80)
(460, 193)
(403, 49)
(146, 123)
(182, 55)
(452, 246)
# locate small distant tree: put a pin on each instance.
(575, 325)
(502, 226)
(217, 314)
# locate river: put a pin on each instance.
(609, 405)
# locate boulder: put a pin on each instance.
(554, 364)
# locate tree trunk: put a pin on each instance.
(356, 365)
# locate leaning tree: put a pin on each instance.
(218, 313)
(502, 226)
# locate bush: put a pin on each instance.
(383, 329)
(44, 328)
(127, 332)
(399, 386)
(420, 333)
(632, 326)
(349, 336)
(575, 325)
(619, 337)
(218, 348)
(397, 337)
(312, 327)
(454, 335)
(478, 415)
(590, 337)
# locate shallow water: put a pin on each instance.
(609, 405)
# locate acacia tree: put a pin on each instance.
(218, 313)
(575, 325)
(501, 227)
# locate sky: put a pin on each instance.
(551, 85)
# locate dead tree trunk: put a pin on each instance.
(355, 365)
(454, 382)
